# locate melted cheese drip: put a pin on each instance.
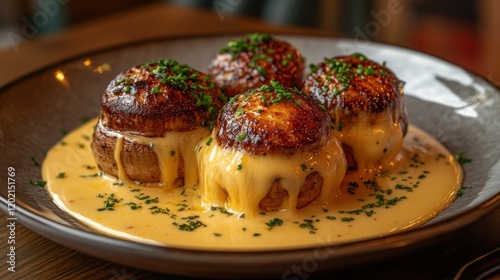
(155, 215)
(239, 181)
(374, 144)
(172, 150)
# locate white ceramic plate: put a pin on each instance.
(457, 107)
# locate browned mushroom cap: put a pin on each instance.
(348, 86)
(151, 100)
(272, 120)
(160, 96)
(255, 60)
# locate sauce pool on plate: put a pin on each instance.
(422, 181)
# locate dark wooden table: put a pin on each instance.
(40, 258)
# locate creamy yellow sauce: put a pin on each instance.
(175, 150)
(418, 185)
(376, 139)
(239, 181)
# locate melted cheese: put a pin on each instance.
(359, 209)
(239, 181)
(376, 139)
(174, 151)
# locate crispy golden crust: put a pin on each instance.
(158, 97)
(349, 85)
(255, 60)
(272, 120)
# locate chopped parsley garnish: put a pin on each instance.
(209, 141)
(109, 203)
(181, 76)
(460, 192)
(155, 89)
(159, 210)
(142, 196)
(253, 44)
(133, 205)
(239, 112)
(353, 186)
(151, 200)
(462, 159)
(61, 175)
(275, 93)
(274, 222)
(35, 162)
(345, 72)
(249, 42)
(303, 166)
(313, 68)
(360, 56)
(308, 223)
(39, 183)
(241, 136)
(403, 187)
(189, 226)
(222, 210)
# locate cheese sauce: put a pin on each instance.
(175, 150)
(239, 181)
(418, 185)
(376, 140)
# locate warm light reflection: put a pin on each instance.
(60, 75)
(87, 62)
(102, 68)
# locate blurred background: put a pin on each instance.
(463, 31)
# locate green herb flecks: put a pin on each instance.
(109, 203)
(191, 223)
(241, 137)
(308, 224)
(274, 223)
(133, 205)
(462, 159)
(39, 183)
(275, 93)
(249, 42)
(209, 141)
(221, 210)
(181, 76)
(35, 162)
